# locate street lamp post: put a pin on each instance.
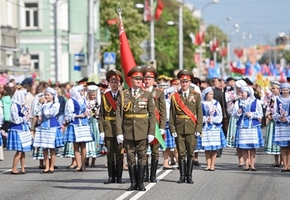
(152, 43)
(180, 35)
(200, 46)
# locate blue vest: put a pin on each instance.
(22, 126)
(49, 122)
(278, 110)
(255, 122)
(78, 109)
(205, 113)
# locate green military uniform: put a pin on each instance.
(135, 119)
(181, 123)
(107, 124)
(160, 110)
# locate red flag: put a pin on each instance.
(223, 52)
(112, 21)
(239, 52)
(146, 13)
(199, 38)
(237, 71)
(214, 45)
(159, 9)
(127, 59)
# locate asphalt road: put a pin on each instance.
(227, 182)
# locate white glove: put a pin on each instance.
(196, 134)
(150, 138)
(120, 139)
(162, 131)
(174, 135)
(102, 135)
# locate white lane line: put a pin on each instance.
(150, 185)
(9, 170)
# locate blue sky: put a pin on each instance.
(263, 19)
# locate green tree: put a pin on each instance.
(135, 30)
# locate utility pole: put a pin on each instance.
(180, 35)
(91, 39)
(55, 41)
(152, 19)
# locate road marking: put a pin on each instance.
(9, 170)
(148, 187)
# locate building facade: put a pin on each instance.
(52, 33)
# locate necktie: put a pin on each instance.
(114, 96)
(135, 93)
(184, 95)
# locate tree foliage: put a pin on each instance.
(166, 37)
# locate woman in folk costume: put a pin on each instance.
(213, 137)
(249, 136)
(2, 132)
(231, 97)
(48, 134)
(282, 119)
(78, 130)
(270, 147)
(93, 106)
(169, 140)
(19, 138)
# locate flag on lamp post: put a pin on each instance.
(127, 59)
(157, 10)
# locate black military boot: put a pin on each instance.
(111, 172)
(141, 169)
(153, 169)
(132, 173)
(119, 171)
(182, 171)
(189, 170)
(146, 172)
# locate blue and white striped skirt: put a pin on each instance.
(212, 140)
(170, 140)
(68, 150)
(249, 138)
(78, 134)
(37, 154)
(51, 138)
(281, 136)
(19, 141)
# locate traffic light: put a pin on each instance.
(152, 63)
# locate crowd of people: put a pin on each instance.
(190, 116)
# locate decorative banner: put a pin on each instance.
(223, 52)
(213, 45)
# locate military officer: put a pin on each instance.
(160, 110)
(135, 122)
(107, 127)
(185, 123)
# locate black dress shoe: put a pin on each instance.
(168, 168)
(23, 172)
(44, 172)
(50, 171)
(55, 167)
(14, 173)
(196, 163)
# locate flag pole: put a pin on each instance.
(152, 18)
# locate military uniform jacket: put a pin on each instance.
(179, 123)
(159, 99)
(107, 120)
(135, 117)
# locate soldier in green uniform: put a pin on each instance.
(160, 110)
(185, 123)
(107, 126)
(135, 122)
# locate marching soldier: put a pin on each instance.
(107, 126)
(135, 122)
(185, 123)
(160, 110)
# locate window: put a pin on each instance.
(31, 15)
(34, 62)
